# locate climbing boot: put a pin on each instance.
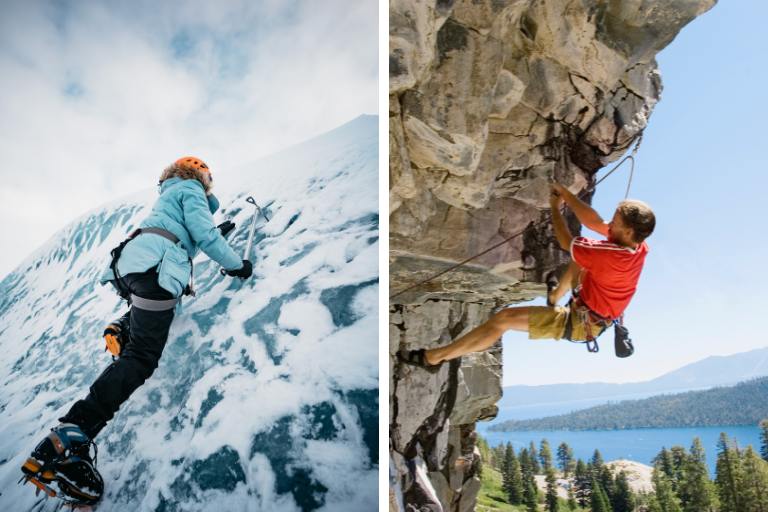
(63, 456)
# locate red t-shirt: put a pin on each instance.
(611, 273)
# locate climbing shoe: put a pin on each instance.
(116, 336)
(64, 457)
(417, 358)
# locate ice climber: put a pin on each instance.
(152, 269)
(603, 275)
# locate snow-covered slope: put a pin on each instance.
(266, 397)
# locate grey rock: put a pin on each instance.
(490, 101)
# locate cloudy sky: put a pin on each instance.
(96, 98)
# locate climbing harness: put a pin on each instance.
(630, 157)
(576, 306)
(252, 231)
(141, 302)
(588, 318)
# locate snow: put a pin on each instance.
(262, 400)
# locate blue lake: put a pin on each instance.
(640, 445)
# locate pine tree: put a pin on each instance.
(506, 469)
(696, 491)
(605, 478)
(530, 496)
(534, 461)
(565, 458)
(525, 461)
(623, 500)
(664, 499)
(663, 462)
(598, 501)
(550, 500)
(597, 462)
(513, 478)
(545, 455)
(582, 482)
(497, 456)
(679, 457)
(729, 475)
(602, 474)
(572, 503)
(754, 488)
(530, 492)
(764, 439)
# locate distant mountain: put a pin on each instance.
(742, 404)
(707, 373)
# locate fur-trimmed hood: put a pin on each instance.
(185, 173)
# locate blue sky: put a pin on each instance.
(98, 97)
(704, 170)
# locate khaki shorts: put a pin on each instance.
(549, 323)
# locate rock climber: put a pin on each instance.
(602, 273)
(152, 269)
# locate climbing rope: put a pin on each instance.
(630, 157)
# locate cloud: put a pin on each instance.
(97, 98)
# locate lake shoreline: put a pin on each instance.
(638, 445)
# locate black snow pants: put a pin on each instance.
(138, 358)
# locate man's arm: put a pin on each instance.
(562, 233)
(585, 213)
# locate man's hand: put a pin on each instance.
(584, 213)
(558, 189)
(555, 199)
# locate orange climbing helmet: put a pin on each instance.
(192, 162)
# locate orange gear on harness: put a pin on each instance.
(112, 338)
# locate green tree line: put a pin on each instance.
(680, 480)
(742, 404)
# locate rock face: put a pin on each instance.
(490, 100)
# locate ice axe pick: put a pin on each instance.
(249, 244)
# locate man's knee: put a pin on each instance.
(510, 317)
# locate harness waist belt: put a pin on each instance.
(159, 231)
(152, 304)
(190, 288)
(135, 300)
(579, 302)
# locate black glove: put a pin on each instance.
(245, 271)
(225, 227)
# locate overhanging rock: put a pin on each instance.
(490, 101)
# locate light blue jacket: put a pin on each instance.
(184, 210)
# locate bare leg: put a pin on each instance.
(566, 282)
(482, 336)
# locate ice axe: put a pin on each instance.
(249, 243)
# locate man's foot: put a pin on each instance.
(417, 358)
(64, 457)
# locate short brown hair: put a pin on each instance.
(639, 217)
